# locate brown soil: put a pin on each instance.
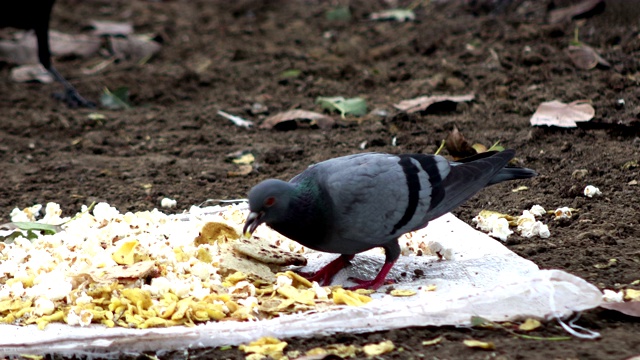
(173, 140)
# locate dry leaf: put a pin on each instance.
(295, 117)
(101, 27)
(23, 49)
(423, 103)
(134, 47)
(556, 113)
(457, 145)
(582, 9)
(585, 58)
(268, 346)
(27, 73)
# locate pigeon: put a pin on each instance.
(354, 203)
(35, 14)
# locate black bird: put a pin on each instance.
(351, 204)
(35, 14)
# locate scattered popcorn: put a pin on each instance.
(591, 191)
(43, 306)
(537, 210)
(529, 227)
(497, 226)
(563, 213)
(145, 269)
(438, 249)
(613, 296)
(168, 203)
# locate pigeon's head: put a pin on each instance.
(268, 202)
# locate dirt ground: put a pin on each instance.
(230, 56)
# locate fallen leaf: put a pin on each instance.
(585, 58)
(135, 47)
(353, 106)
(457, 145)
(295, 117)
(117, 99)
(400, 15)
(479, 344)
(28, 73)
(101, 27)
(23, 49)
(238, 121)
(581, 9)
(556, 113)
(341, 13)
(423, 103)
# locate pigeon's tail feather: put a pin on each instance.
(512, 173)
(466, 179)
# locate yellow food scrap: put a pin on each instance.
(348, 297)
(341, 350)
(265, 346)
(479, 344)
(378, 349)
(124, 254)
(298, 280)
(529, 324)
(632, 295)
(402, 292)
(301, 296)
(234, 278)
(140, 298)
(432, 342)
(215, 231)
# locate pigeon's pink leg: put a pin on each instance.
(324, 275)
(375, 283)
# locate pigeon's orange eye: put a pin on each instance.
(268, 202)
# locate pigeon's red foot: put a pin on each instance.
(324, 275)
(375, 283)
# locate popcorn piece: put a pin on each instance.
(529, 227)
(501, 229)
(43, 306)
(78, 317)
(498, 226)
(613, 296)
(168, 203)
(25, 215)
(537, 210)
(105, 212)
(563, 213)
(591, 191)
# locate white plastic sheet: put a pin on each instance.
(482, 278)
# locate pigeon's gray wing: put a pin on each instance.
(377, 197)
(466, 179)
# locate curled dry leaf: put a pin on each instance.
(27, 73)
(458, 146)
(110, 28)
(134, 47)
(423, 103)
(585, 58)
(23, 48)
(556, 113)
(582, 9)
(479, 344)
(286, 119)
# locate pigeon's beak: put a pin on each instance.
(253, 220)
